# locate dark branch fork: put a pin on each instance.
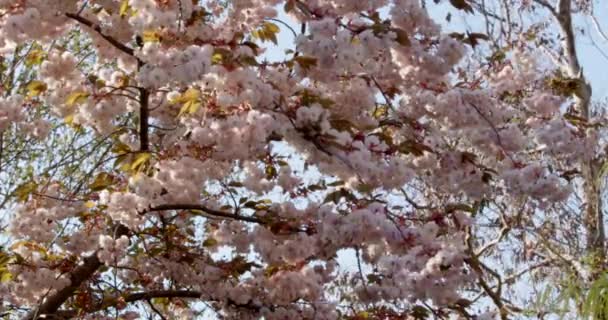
(144, 94)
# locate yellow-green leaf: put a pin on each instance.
(5, 275)
(4, 258)
(209, 242)
(191, 94)
(268, 32)
(121, 163)
(23, 191)
(140, 161)
(101, 181)
(189, 107)
(124, 8)
(190, 100)
(306, 62)
(36, 88)
(30, 245)
(271, 27)
(75, 98)
(69, 119)
(120, 148)
(402, 37)
(151, 36)
(381, 111)
(34, 58)
(220, 56)
(123, 81)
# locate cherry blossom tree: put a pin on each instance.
(157, 163)
(557, 253)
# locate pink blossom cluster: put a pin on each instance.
(198, 116)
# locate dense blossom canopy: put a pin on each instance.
(233, 181)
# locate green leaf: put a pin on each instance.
(220, 56)
(470, 38)
(413, 147)
(380, 111)
(364, 188)
(306, 62)
(419, 312)
(460, 207)
(596, 301)
(69, 119)
(337, 195)
(209, 242)
(316, 187)
(120, 148)
(336, 183)
(271, 270)
(23, 191)
(101, 181)
(235, 184)
(164, 302)
(271, 172)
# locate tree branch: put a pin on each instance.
(477, 266)
(144, 94)
(80, 274)
(548, 6)
(144, 115)
(211, 212)
(91, 264)
(134, 297)
(598, 27)
(503, 232)
(564, 18)
(117, 44)
(593, 215)
(163, 294)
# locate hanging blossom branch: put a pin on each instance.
(117, 44)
